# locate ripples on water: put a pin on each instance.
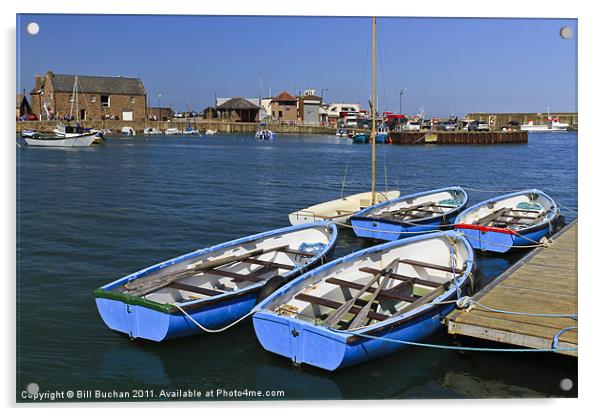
(89, 216)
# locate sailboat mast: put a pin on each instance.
(373, 132)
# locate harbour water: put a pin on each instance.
(88, 216)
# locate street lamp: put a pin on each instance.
(400, 96)
(159, 97)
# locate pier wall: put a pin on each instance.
(181, 124)
(457, 137)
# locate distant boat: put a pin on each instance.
(151, 131)
(517, 219)
(210, 132)
(172, 131)
(191, 132)
(265, 134)
(339, 210)
(128, 131)
(214, 286)
(410, 214)
(67, 136)
(341, 132)
(552, 124)
(85, 140)
(382, 135)
(361, 138)
(349, 310)
(31, 133)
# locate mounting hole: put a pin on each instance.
(566, 32)
(33, 28)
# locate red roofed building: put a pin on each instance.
(284, 107)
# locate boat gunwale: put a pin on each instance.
(411, 223)
(170, 308)
(394, 321)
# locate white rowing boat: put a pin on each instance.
(339, 210)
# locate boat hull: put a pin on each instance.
(338, 210)
(361, 138)
(139, 317)
(80, 141)
(502, 240)
(330, 350)
(366, 226)
(305, 342)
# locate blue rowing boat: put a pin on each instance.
(214, 286)
(410, 214)
(518, 219)
(359, 307)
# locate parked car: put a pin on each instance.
(178, 115)
(478, 126)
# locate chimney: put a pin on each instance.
(38, 79)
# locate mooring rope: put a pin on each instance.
(453, 347)
(194, 321)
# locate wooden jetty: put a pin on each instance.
(458, 137)
(544, 282)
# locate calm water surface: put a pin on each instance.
(89, 216)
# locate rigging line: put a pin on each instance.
(382, 74)
(360, 93)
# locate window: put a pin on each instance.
(93, 98)
(133, 100)
(105, 101)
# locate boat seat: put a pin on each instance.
(389, 293)
(417, 263)
(269, 263)
(336, 305)
(414, 280)
(194, 289)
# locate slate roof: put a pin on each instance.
(98, 85)
(238, 103)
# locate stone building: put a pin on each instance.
(284, 107)
(159, 113)
(98, 97)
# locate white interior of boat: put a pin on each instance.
(318, 297)
(419, 207)
(283, 253)
(340, 209)
(515, 212)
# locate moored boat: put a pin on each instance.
(211, 287)
(518, 219)
(210, 132)
(361, 138)
(339, 210)
(410, 214)
(84, 140)
(366, 304)
(265, 134)
(172, 131)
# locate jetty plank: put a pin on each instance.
(544, 282)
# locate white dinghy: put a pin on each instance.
(339, 210)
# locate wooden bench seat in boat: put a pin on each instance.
(269, 263)
(254, 276)
(296, 252)
(336, 305)
(194, 289)
(389, 293)
(396, 276)
(440, 267)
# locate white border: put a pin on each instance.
(589, 172)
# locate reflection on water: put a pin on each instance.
(88, 217)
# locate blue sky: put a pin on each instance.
(446, 65)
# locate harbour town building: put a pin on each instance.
(499, 120)
(238, 109)
(284, 107)
(309, 105)
(23, 107)
(97, 98)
